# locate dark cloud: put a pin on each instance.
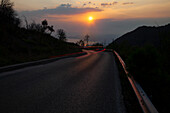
(66, 5)
(88, 3)
(128, 3)
(105, 4)
(63, 9)
(108, 4)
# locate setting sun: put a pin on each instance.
(90, 18)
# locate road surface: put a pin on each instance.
(85, 84)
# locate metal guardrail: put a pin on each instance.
(143, 99)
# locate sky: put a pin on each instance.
(111, 18)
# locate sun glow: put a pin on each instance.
(90, 18)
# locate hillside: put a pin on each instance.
(20, 45)
(32, 42)
(145, 35)
(146, 52)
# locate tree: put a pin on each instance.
(87, 38)
(61, 34)
(36, 27)
(50, 28)
(7, 13)
(45, 25)
(80, 43)
(26, 22)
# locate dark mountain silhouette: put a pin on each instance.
(145, 35)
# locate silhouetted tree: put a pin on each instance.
(6, 9)
(35, 27)
(45, 25)
(80, 43)
(61, 34)
(7, 13)
(87, 38)
(26, 22)
(50, 28)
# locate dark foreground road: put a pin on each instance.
(86, 84)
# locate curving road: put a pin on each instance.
(86, 84)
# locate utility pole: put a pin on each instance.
(87, 39)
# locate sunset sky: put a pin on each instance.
(110, 18)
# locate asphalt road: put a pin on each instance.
(86, 84)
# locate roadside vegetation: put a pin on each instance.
(148, 61)
(32, 42)
(129, 96)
